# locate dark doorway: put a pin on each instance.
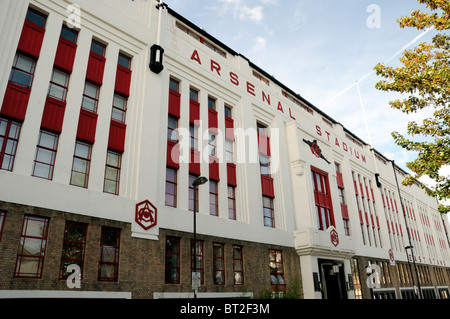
(333, 279)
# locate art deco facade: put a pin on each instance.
(110, 110)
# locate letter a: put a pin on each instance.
(374, 20)
(196, 57)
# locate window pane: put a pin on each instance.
(98, 48)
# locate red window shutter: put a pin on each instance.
(117, 133)
(267, 186)
(65, 55)
(174, 103)
(362, 190)
(96, 68)
(229, 128)
(212, 120)
(344, 211)
(231, 174)
(194, 111)
(194, 164)
(53, 116)
(173, 155)
(361, 220)
(31, 39)
(15, 102)
(87, 125)
(339, 180)
(378, 223)
(123, 80)
(264, 144)
(214, 169)
(356, 187)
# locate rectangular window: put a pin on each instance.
(124, 61)
(219, 264)
(268, 210)
(231, 202)
(119, 108)
(171, 187)
(44, 161)
(193, 94)
(238, 265)
(264, 164)
(213, 198)
(74, 245)
(277, 273)
(211, 103)
(172, 134)
(228, 112)
(58, 85)
(70, 34)
(229, 148)
(172, 260)
(212, 144)
(33, 241)
(2, 222)
(9, 137)
(36, 17)
(81, 164)
(22, 71)
(174, 85)
(191, 193)
(98, 48)
(112, 172)
(322, 196)
(199, 259)
(90, 97)
(108, 267)
(193, 137)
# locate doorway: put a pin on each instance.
(333, 279)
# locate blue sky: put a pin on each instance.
(320, 49)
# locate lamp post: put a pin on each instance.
(197, 182)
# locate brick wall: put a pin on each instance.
(142, 262)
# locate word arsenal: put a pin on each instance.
(234, 79)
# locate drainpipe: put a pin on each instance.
(156, 51)
(407, 231)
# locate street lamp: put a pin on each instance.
(197, 182)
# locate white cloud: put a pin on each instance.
(255, 14)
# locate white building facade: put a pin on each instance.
(111, 110)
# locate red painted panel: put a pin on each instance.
(174, 103)
(15, 102)
(231, 174)
(194, 164)
(194, 111)
(117, 133)
(213, 123)
(31, 39)
(361, 220)
(173, 155)
(65, 55)
(214, 169)
(339, 180)
(96, 68)
(229, 128)
(87, 125)
(344, 211)
(123, 80)
(356, 187)
(264, 144)
(53, 116)
(267, 186)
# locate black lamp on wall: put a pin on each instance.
(156, 58)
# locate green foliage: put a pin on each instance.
(424, 78)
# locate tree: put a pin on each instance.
(424, 83)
